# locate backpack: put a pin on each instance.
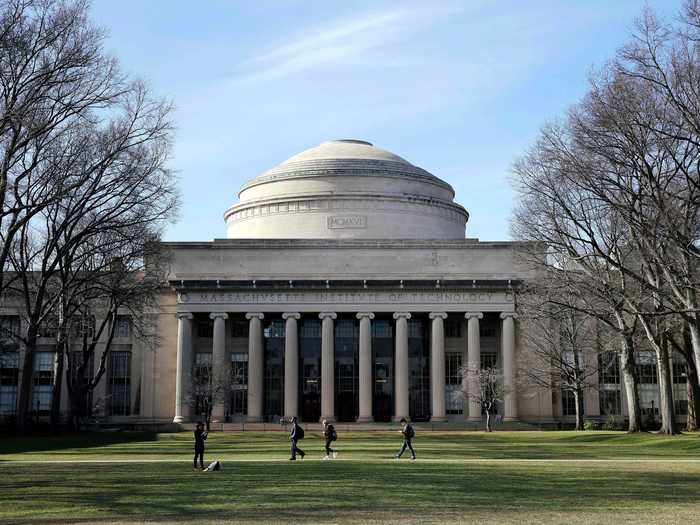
(411, 432)
(213, 466)
(334, 434)
(300, 432)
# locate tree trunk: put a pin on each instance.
(488, 420)
(629, 380)
(694, 329)
(693, 389)
(25, 388)
(55, 419)
(578, 401)
(668, 419)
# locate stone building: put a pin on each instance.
(345, 289)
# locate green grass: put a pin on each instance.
(551, 477)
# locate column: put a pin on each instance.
(473, 361)
(437, 366)
(291, 365)
(366, 385)
(255, 367)
(327, 366)
(184, 365)
(510, 395)
(401, 366)
(219, 366)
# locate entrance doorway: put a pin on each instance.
(383, 369)
(310, 369)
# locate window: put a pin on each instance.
(239, 328)
(120, 384)
(610, 402)
(239, 384)
(48, 327)
(275, 329)
(123, 326)
(608, 368)
(83, 326)
(43, 382)
(453, 383)
(9, 330)
(415, 329)
(76, 360)
(568, 403)
(487, 331)
(205, 328)
(680, 375)
(646, 368)
(9, 380)
(453, 327)
(347, 328)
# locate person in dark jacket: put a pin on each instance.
(199, 437)
(294, 436)
(408, 433)
(329, 435)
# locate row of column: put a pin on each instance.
(401, 369)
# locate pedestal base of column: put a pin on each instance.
(178, 419)
(330, 419)
(253, 419)
(364, 419)
(438, 419)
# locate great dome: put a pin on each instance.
(346, 189)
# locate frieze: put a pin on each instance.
(343, 297)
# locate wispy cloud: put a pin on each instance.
(344, 41)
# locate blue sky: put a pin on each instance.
(458, 88)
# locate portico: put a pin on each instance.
(402, 310)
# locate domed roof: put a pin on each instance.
(346, 189)
(345, 149)
(345, 157)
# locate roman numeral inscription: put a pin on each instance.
(347, 221)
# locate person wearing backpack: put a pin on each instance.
(329, 435)
(408, 435)
(295, 435)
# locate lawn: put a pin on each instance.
(549, 477)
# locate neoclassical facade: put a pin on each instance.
(346, 290)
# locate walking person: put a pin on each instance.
(200, 437)
(329, 435)
(408, 434)
(295, 435)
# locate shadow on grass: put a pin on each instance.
(282, 492)
(51, 443)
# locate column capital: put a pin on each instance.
(399, 315)
(185, 315)
(360, 315)
(218, 315)
(436, 315)
(324, 315)
(255, 315)
(469, 315)
(291, 315)
(506, 315)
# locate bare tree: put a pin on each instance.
(111, 195)
(486, 387)
(209, 387)
(562, 346)
(54, 79)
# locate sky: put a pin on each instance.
(459, 88)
